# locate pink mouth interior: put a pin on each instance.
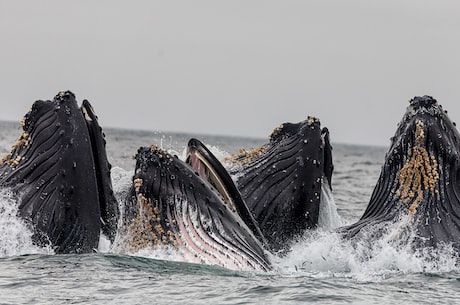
(198, 166)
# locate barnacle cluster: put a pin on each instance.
(419, 173)
(244, 156)
(155, 149)
(276, 131)
(312, 120)
(146, 230)
(5, 159)
(137, 184)
(419, 132)
(13, 158)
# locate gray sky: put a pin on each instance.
(234, 67)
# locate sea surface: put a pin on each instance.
(320, 268)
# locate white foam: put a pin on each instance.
(15, 235)
(221, 155)
(167, 253)
(121, 182)
(104, 244)
(325, 253)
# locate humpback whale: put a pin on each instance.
(172, 207)
(281, 181)
(418, 191)
(59, 172)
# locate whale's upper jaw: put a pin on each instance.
(281, 181)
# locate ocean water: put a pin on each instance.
(320, 268)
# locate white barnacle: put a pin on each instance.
(138, 183)
(419, 131)
(311, 120)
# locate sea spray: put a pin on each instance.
(371, 257)
(328, 217)
(121, 183)
(15, 234)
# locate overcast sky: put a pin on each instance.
(234, 67)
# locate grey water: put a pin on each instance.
(320, 268)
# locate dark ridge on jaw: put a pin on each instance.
(328, 164)
(228, 183)
(107, 202)
(51, 171)
(281, 182)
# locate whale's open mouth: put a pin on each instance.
(59, 170)
(210, 169)
(419, 182)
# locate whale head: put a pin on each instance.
(60, 174)
(172, 207)
(419, 185)
(281, 181)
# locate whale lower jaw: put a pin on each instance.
(191, 238)
(211, 246)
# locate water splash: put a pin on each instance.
(324, 253)
(164, 253)
(104, 244)
(15, 235)
(121, 182)
(328, 217)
